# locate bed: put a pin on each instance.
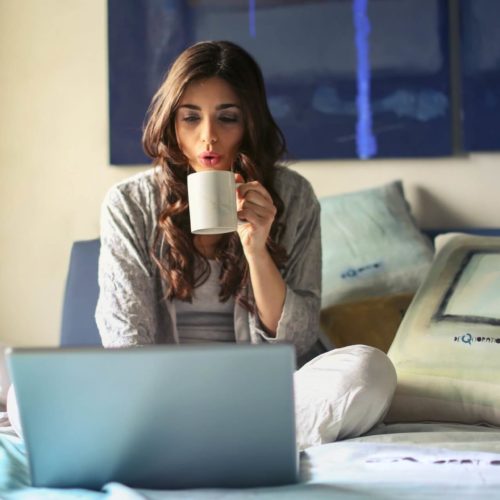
(421, 460)
(441, 437)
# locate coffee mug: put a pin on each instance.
(212, 202)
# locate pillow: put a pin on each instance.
(373, 321)
(342, 393)
(447, 348)
(371, 245)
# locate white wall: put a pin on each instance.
(447, 192)
(54, 161)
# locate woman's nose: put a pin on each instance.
(208, 134)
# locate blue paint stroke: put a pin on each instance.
(280, 106)
(251, 18)
(366, 144)
(421, 105)
(326, 100)
(424, 105)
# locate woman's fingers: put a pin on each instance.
(262, 211)
(255, 192)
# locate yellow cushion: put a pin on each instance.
(372, 321)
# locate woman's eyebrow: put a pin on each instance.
(228, 105)
(190, 106)
(218, 107)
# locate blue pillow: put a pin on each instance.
(371, 245)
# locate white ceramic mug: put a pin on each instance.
(212, 202)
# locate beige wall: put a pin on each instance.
(54, 161)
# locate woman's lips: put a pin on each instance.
(209, 159)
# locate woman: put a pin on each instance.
(161, 284)
(156, 279)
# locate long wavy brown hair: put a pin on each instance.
(180, 264)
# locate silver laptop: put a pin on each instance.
(161, 417)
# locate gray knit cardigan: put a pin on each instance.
(131, 310)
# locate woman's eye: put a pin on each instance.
(190, 118)
(229, 118)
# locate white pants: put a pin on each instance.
(342, 393)
(339, 394)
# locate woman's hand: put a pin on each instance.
(256, 212)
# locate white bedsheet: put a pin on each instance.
(398, 461)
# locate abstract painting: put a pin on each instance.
(480, 43)
(345, 78)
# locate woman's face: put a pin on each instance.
(209, 124)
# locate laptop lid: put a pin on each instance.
(159, 417)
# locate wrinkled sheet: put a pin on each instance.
(410, 461)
